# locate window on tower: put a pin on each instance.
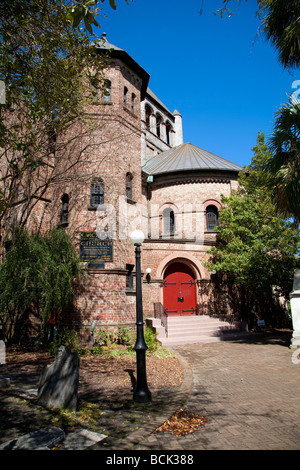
(97, 193)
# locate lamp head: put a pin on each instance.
(137, 237)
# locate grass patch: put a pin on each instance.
(88, 416)
(113, 343)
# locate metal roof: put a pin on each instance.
(103, 43)
(187, 157)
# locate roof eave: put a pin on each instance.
(132, 64)
(198, 173)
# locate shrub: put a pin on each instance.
(65, 337)
(39, 276)
(125, 335)
(151, 339)
(104, 337)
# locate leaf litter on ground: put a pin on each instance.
(182, 422)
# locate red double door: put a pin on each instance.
(179, 290)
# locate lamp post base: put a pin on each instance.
(142, 397)
(141, 393)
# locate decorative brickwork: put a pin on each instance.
(124, 130)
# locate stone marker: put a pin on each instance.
(49, 437)
(81, 439)
(295, 310)
(2, 352)
(58, 383)
(42, 439)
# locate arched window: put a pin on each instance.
(52, 137)
(125, 97)
(64, 213)
(133, 102)
(101, 91)
(168, 133)
(212, 218)
(148, 112)
(168, 221)
(158, 123)
(94, 85)
(97, 193)
(129, 192)
(106, 91)
(129, 277)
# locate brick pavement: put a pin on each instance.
(249, 392)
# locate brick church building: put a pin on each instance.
(138, 174)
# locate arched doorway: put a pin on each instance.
(179, 290)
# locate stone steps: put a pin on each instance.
(195, 329)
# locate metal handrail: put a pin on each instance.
(161, 313)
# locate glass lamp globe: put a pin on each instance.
(137, 237)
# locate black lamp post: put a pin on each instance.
(141, 393)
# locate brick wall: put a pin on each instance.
(108, 146)
(190, 242)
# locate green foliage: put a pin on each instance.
(257, 248)
(83, 11)
(108, 336)
(66, 337)
(281, 27)
(86, 12)
(279, 23)
(45, 64)
(151, 340)
(40, 275)
(104, 337)
(283, 166)
(125, 335)
(120, 342)
(88, 415)
(94, 351)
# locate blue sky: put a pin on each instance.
(222, 76)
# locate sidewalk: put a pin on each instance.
(248, 391)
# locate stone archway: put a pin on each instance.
(199, 271)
